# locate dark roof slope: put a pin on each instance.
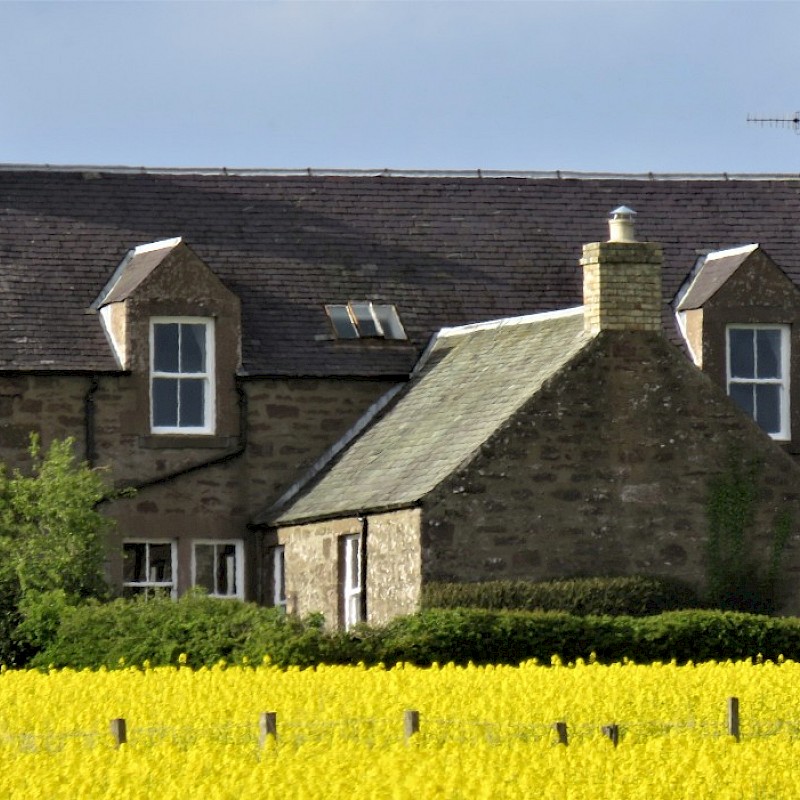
(446, 250)
(137, 265)
(471, 382)
(712, 275)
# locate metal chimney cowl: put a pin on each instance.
(621, 225)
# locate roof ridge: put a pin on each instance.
(317, 172)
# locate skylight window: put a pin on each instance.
(365, 320)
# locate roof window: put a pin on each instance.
(365, 320)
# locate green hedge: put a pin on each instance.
(209, 630)
(160, 630)
(632, 596)
(510, 637)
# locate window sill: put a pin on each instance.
(187, 441)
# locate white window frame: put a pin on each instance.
(352, 553)
(279, 577)
(208, 377)
(238, 565)
(149, 585)
(784, 434)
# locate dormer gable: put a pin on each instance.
(164, 278)
(176, 328)
(736, 285)
(740, 317)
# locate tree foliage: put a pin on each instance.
(51, 544)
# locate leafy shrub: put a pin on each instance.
(633, 596)
(510, 637)
(51, 545)
(208, 630)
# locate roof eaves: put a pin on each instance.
(315, 172)
(351, 512)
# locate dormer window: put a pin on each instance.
(182, 375)
(758, 374)
(365, 320)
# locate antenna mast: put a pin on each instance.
(792, 121)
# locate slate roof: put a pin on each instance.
(137, 265)
(712, 275)
(445, 249)
(471, 381)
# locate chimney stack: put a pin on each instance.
(622, 279)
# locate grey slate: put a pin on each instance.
(470, 384)
(445, 250)
(138, 267)
(710, 278)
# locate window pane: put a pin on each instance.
(741, 350)
(342, 324)
(204, 566)
(390, 322)
(278, 576)
(160, 562)
(226, 569)
(165, 402)
(133, 562)
(165, 347)
(193, 348)
(768, 414)
(768, 353)
(367, 324)
(192, 403)
(742, 395)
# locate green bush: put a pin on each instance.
(208, 630)
(463, 635)
(51, 545)
(632, 596)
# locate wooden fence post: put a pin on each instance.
(561, 729)
(119, 731)
(612, 731)
(410, 723)
(733, 717)
(267, 726)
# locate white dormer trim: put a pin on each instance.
(161, 244)
(110, 330)
(149, 247)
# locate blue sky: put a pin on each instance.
(585, 86)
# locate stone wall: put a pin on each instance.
(313, 575)
(190, 487)
(312, 566)
(606, 472)
(394, 565)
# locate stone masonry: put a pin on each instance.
(622, 286)
(606, 472)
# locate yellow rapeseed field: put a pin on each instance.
(485, 732)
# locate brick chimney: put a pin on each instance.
(622, 279)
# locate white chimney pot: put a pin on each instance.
(620, 225)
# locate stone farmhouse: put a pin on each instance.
(331, 388)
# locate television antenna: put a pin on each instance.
(792, 121)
